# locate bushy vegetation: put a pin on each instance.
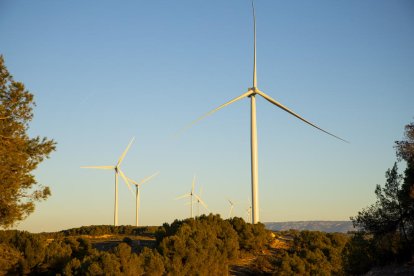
(310, 253)
(386, 233)
(98, 230)
(203, 246)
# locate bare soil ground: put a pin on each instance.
(244, 265)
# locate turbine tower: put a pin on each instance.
(118, 171)
(137, 200)
(231, 207)
(251, 93)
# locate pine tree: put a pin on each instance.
(19, 153)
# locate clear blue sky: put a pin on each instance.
(105, 71)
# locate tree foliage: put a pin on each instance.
(387, 215)
(202, 246)
(387, 227)
(205, 245)
(311, 253)
(19, 153)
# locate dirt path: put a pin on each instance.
(242, 266)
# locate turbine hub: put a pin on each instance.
(254, 89)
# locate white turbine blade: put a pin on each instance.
(202, 202)
(254, 59)
(148, 178)
(231, 203)
(248, 93)
(132, 181)
(99, 167)
(267, 97)
(182, 196)
(125, 152)
(126, 180)
(192, 185)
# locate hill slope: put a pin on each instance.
(324, 226)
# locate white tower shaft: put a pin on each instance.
(116, 200)
(137, 206)
(254, 164)
(191, 205)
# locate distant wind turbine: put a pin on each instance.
(251, 93)
(249, 210)
(249, 214)
(231, 207)
(193, 195)
(199, 202)
(117, 171)
(137, 200)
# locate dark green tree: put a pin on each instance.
(311, 253)
(19, 154)
(387, 227)
(405, 151)
(393, 213)
(387, 215)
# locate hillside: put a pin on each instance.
(324, 226)
(208, 245)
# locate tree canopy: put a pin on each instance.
(19, 153)
(387, 226)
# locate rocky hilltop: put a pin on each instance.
(324, 226)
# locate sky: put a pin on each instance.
(103, 72)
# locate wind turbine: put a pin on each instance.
(231, 206)
(117, 171)
(192, 194)
(251, 93)
(249, 210)
(249, 213)
(137, 186)
(199, 202)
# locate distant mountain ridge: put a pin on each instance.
(324, 226)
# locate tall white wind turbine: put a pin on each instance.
(137, 199)
(251, 93)
(118, 171)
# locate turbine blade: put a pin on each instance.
(148, 178)
(248, 93)
(132, 181)
(267, 97)
(254, 58)
(99, 167)
(125, 152)
(126, 180)
(192, 185)
(182, 196)
(202, 202)
(231, 203)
